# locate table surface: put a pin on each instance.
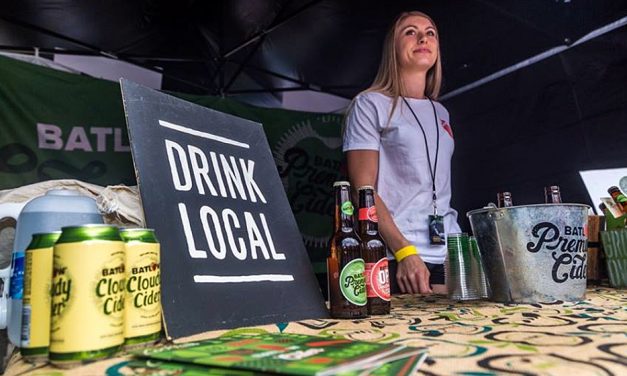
(468, 338)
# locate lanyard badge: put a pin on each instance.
(436, 225)
(436, 222)
(436, 230)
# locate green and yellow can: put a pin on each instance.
(142, 317)
(35, 337)
(88, 290)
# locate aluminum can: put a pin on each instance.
(142, 315)
(88, 290)
(35, 334)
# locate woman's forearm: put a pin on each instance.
(393, 237)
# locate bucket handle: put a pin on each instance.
(4, 298)
(11, 209)
(497, 214)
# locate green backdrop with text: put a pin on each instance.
(57, 125)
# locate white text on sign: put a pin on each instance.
(243, 235)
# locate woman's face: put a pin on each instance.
(416, 44)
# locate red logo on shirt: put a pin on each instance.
(447, 128)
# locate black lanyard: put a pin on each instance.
(434, 169)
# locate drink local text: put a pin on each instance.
(241, 234)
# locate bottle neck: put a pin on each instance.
(504, 200)
(618, 197)
(367, 213)
(552, 195)
(343, 210)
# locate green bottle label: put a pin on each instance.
(353, 282)
(347, 208)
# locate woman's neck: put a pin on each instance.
(414, 84)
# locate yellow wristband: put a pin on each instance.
(404, 252)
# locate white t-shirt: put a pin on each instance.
(404, 181)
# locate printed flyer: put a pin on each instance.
(292, 354)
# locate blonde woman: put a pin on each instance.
(398, 139)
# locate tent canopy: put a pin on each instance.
(530, 128)
(236, 47)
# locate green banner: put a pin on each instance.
(57, 125)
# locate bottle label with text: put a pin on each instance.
(378, 279)
(353, 282)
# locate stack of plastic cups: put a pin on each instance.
(484, 288)
(461, 280)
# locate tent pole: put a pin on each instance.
(242, 65)
(304, 85)
(283, 89)
(213, 56)
(534, 59)
(249, 56)
(270, 29)
(517, 18)
(55, 51)
(98, 51)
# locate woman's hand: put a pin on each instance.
(412, 276)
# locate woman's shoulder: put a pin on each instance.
(369, 107)
(373, 97)
(442, 111)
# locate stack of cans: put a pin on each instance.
(89, 291)
(464, 273)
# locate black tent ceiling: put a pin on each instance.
(251, 46)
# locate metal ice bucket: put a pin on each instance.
(533, 253)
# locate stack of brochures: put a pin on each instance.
(289, 354)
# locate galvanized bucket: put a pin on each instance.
(533, 253)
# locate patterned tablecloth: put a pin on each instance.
(471, 338)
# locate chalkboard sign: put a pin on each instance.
(231, 252)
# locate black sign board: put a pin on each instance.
(231, 252)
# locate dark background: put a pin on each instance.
(541, 125)
(536, 126)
